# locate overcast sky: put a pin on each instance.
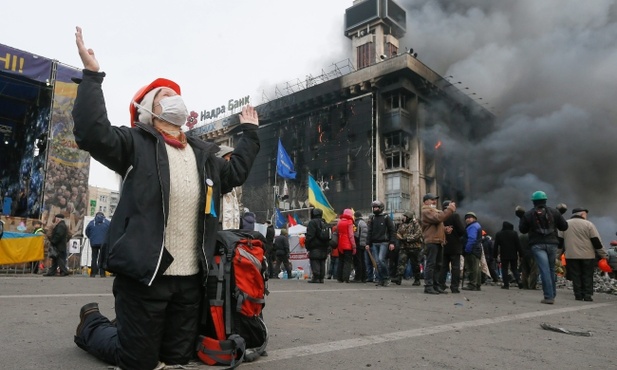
(546, 68)
(216, 50)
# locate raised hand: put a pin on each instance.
(86, 55)
(249, 115)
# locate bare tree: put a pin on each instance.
(260, 200)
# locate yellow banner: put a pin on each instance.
(20, 250)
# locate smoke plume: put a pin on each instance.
(547, 70)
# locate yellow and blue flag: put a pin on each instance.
(318, 200)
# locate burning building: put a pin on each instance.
(369, 129)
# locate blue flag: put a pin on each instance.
(279, 222)
(284, 165)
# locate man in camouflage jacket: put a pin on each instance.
(409, 235)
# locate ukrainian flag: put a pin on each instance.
(20, 247)
(318, 200)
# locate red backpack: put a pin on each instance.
(232, 327)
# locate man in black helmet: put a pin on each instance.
(542, 223)
(380, 238)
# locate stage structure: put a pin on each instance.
(42, 173)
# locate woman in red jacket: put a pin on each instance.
(346, 244)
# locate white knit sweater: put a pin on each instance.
(181, 239)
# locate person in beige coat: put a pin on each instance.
(582, 245)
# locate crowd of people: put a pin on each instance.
(450, 252)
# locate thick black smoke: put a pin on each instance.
(547, 69)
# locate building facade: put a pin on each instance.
(368, 134)
(102, 200)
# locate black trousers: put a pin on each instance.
(434, 256)
(511, 264)
(155, 323)
(283, 259)
(452, 263)
(318, 268)
(359, 265)
(94, 263)
(59, 261)
(581, 273)
(345, 265)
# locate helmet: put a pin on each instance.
(410, 215)
(471, 214)
(539, 195)
(139, 95)
(379, 204)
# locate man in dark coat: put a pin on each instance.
(96, 231)
(58, 239)
(507, 249)
(270, 248)
(452, 251)
(317, 246)
(281, 252)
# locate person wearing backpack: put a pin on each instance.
(317, 239)
(162, 239)
(542, 223)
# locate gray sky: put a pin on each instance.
(546, 68)
(216, 50)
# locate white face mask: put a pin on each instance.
(173, 110)
(433, 205)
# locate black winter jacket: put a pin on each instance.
(135, 241)
(454, 240)
(59, 236)
(507, 244)
(527, 222)
(380, 229)
(317, 247)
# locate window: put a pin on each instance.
(397, 191)
(396, 101)
(365, 55)
(396, 159)
(391, 50)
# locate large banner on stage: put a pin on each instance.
(67, 168)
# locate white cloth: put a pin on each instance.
(230, 211)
